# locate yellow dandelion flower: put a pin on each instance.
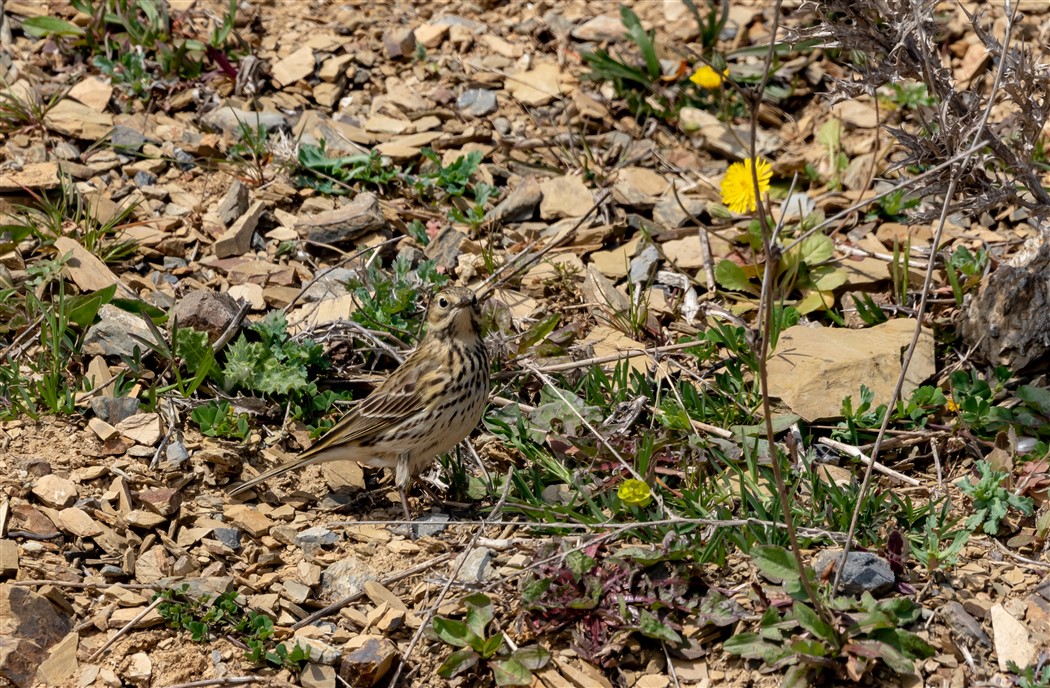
(634, 493)
(707, 78)
(738, 189)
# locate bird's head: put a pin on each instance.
(454, 312)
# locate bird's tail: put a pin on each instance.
(301, 462)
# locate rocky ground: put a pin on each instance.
(332, 163)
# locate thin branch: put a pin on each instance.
(923, 302)
(127, 627)
(392, 578)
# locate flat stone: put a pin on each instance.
(61, 663)
(35, 175)
(814, 369)
(30, 519)
(350, 222)
(139, 670)
(101, 428)
(162, 500)
(725, 139)
(294, 67)
(477, 102)
(250, 293)
(114, 409)
(205, 311)
(367, 660)
(234, 202)
(8, 558)
(77, 522)
(249, 518)
(963, 625)
(30, 625)
(317, 676)
(399, 42)
(144, 428)
(668, 213)
(381, 124)
(70, 118)
(123, 616)
(317, 536)
(863, 571)
(604, 27)
(55, 492)
(477, 566)
(638, 187)
(537, 86)
(431, 35)
(92, 92)
(346, 577)
(1012, 642)
(111, 335)
(534, 282)
(564, 196)
(643, 265)
(379, 594)
(229, 120)
(615, 263)
(334, 68)
(140, 518)
(499, 46)
(237, 240)
(152, 565)
(519, 205)
(84, 268)
(445, 247)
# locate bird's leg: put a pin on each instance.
(403, 479)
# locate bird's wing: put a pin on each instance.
(399, 397)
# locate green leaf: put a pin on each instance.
(816, 249)
(579, 564)
(1036, 397)
(643, 40)
(458, 662)
(38, 27)
(192, 347)
(809, 647)
(729, 275)
(652, 627)
(455, 633)
(828, 277)
(535, 589)
(532, 657)
(490, 646)
(796, 677)
(752, 646)
(84, 308)
(479, 613)
(509, 672)
(876, 649)
(139, 307)
(775, 563)
(808, 619)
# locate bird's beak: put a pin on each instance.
(465, 301)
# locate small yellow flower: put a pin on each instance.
(707, 78)
(738, 189)
(951, 406)
(634, 493)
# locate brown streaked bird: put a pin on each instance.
(425, 408)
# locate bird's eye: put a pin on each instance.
(442, 302)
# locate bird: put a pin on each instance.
(427, 406)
